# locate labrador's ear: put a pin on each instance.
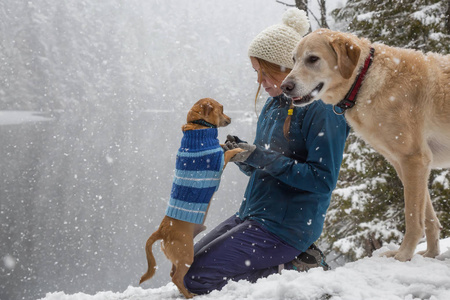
(347, 56)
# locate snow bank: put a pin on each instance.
(368, 278)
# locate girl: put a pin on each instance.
(293, 167)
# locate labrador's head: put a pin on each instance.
(324, 63)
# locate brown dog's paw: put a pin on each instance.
(230, 153)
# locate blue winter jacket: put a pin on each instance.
(291, 182)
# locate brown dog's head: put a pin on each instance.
(324, 67)
(209, 110)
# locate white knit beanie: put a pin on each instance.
(276, 43)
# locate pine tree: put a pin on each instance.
(367, 207)
(416, 24)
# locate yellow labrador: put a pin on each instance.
(398, 100)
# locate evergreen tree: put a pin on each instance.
(416, 24)
(367, 208)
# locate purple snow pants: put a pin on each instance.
(236, 250)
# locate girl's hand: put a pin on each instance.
(234, 139)
(242, 156)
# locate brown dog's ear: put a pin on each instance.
(207, 108)
(347, 56)
(199, 111)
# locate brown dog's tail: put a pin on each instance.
(150, 258)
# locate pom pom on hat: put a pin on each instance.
(276, 43)
(296, 19)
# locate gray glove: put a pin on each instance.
(229, 146)
(231, 143)
(234, 139)
(242, 156)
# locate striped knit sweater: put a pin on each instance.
(198, 170)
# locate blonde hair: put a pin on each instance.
(271, 70)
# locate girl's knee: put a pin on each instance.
(199, 281)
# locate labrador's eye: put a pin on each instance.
(312, 59)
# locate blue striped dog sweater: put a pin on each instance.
(198, 170)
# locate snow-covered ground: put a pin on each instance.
(368, 278)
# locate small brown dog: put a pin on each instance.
(184, 219)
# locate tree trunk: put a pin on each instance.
(371, 244)
(302, 4)
(448, 17)
(323, 13)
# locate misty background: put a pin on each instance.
(92, 98)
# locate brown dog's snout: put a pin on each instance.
(226, 120)
(288, 86)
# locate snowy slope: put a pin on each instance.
(369, 278)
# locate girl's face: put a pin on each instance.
(270, 83)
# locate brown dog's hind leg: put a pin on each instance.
(178, 278)
(181, 254)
